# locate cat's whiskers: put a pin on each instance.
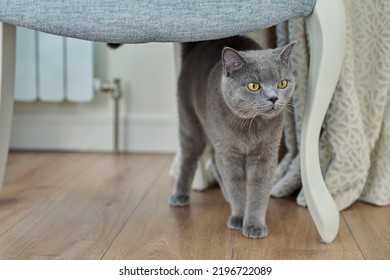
(249, 117)
(253, 117)
(288, 106)
(234, 116)
(242, 122)
(242, 109)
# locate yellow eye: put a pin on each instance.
(282, 84)
(253, 86)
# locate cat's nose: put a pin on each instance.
(273, 99)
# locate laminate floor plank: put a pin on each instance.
(291, 228)
(90, 210)
(370, 225)
(294, 254)
(105, 206)
(39, 181)
(158, 231)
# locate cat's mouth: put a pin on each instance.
(263, 109)
(270, 109)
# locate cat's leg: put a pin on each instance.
(230, 170)
(217, 175)
(235, 221)
(192, 146)
(260, 172)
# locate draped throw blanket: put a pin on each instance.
(355, 139)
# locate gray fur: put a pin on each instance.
(244, 128)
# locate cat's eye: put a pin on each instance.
(252, 86)
(282, 84)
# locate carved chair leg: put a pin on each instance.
(326, 28)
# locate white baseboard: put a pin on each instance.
(94, 132)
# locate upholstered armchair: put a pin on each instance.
(136, 21)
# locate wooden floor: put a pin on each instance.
(102, 206)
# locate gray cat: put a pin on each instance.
(231, 96)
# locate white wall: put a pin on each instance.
(148, 119)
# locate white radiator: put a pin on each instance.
(52, 68)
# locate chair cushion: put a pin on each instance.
(139, 21)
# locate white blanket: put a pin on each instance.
(355, 140)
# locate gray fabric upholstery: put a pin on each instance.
(139, 21)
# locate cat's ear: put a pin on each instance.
(231, 60)
(286, 51)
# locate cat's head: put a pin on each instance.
(258, 82)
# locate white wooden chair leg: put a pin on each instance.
(326, 28)
(7, 74)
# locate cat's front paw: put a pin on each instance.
(253, 231)
(235, 222)
(179, 200)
